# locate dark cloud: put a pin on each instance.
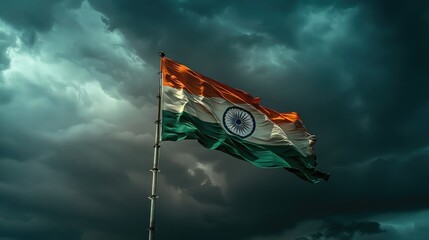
(29, 38)
(39, 15)
(357, 61)
(49, 178)
(340, 63)
(340, 231)
(194, 182)
(77, 110)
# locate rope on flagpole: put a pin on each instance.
(155, 168)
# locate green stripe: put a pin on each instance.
(179, 126)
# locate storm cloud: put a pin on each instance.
(78, 81)
(344, 231)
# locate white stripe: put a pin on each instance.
(211, 109)
(299, 136)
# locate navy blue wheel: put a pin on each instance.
(239, 122)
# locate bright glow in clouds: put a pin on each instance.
(327, 24)
(75, 106)
(78, 71)
(413, 225)
(192, 164)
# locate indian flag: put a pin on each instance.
(232, 121)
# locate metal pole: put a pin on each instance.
(155, 168)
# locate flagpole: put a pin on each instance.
(155, 168)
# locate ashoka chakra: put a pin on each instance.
(238, 121)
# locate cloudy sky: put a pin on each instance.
(78, 81)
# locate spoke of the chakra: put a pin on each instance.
(242, 115)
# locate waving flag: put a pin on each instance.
(232, 121)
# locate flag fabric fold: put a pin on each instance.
(232, 121)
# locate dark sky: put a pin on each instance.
(78, 82)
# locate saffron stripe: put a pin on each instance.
(179, 76)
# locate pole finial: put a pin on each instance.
(161, 54)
